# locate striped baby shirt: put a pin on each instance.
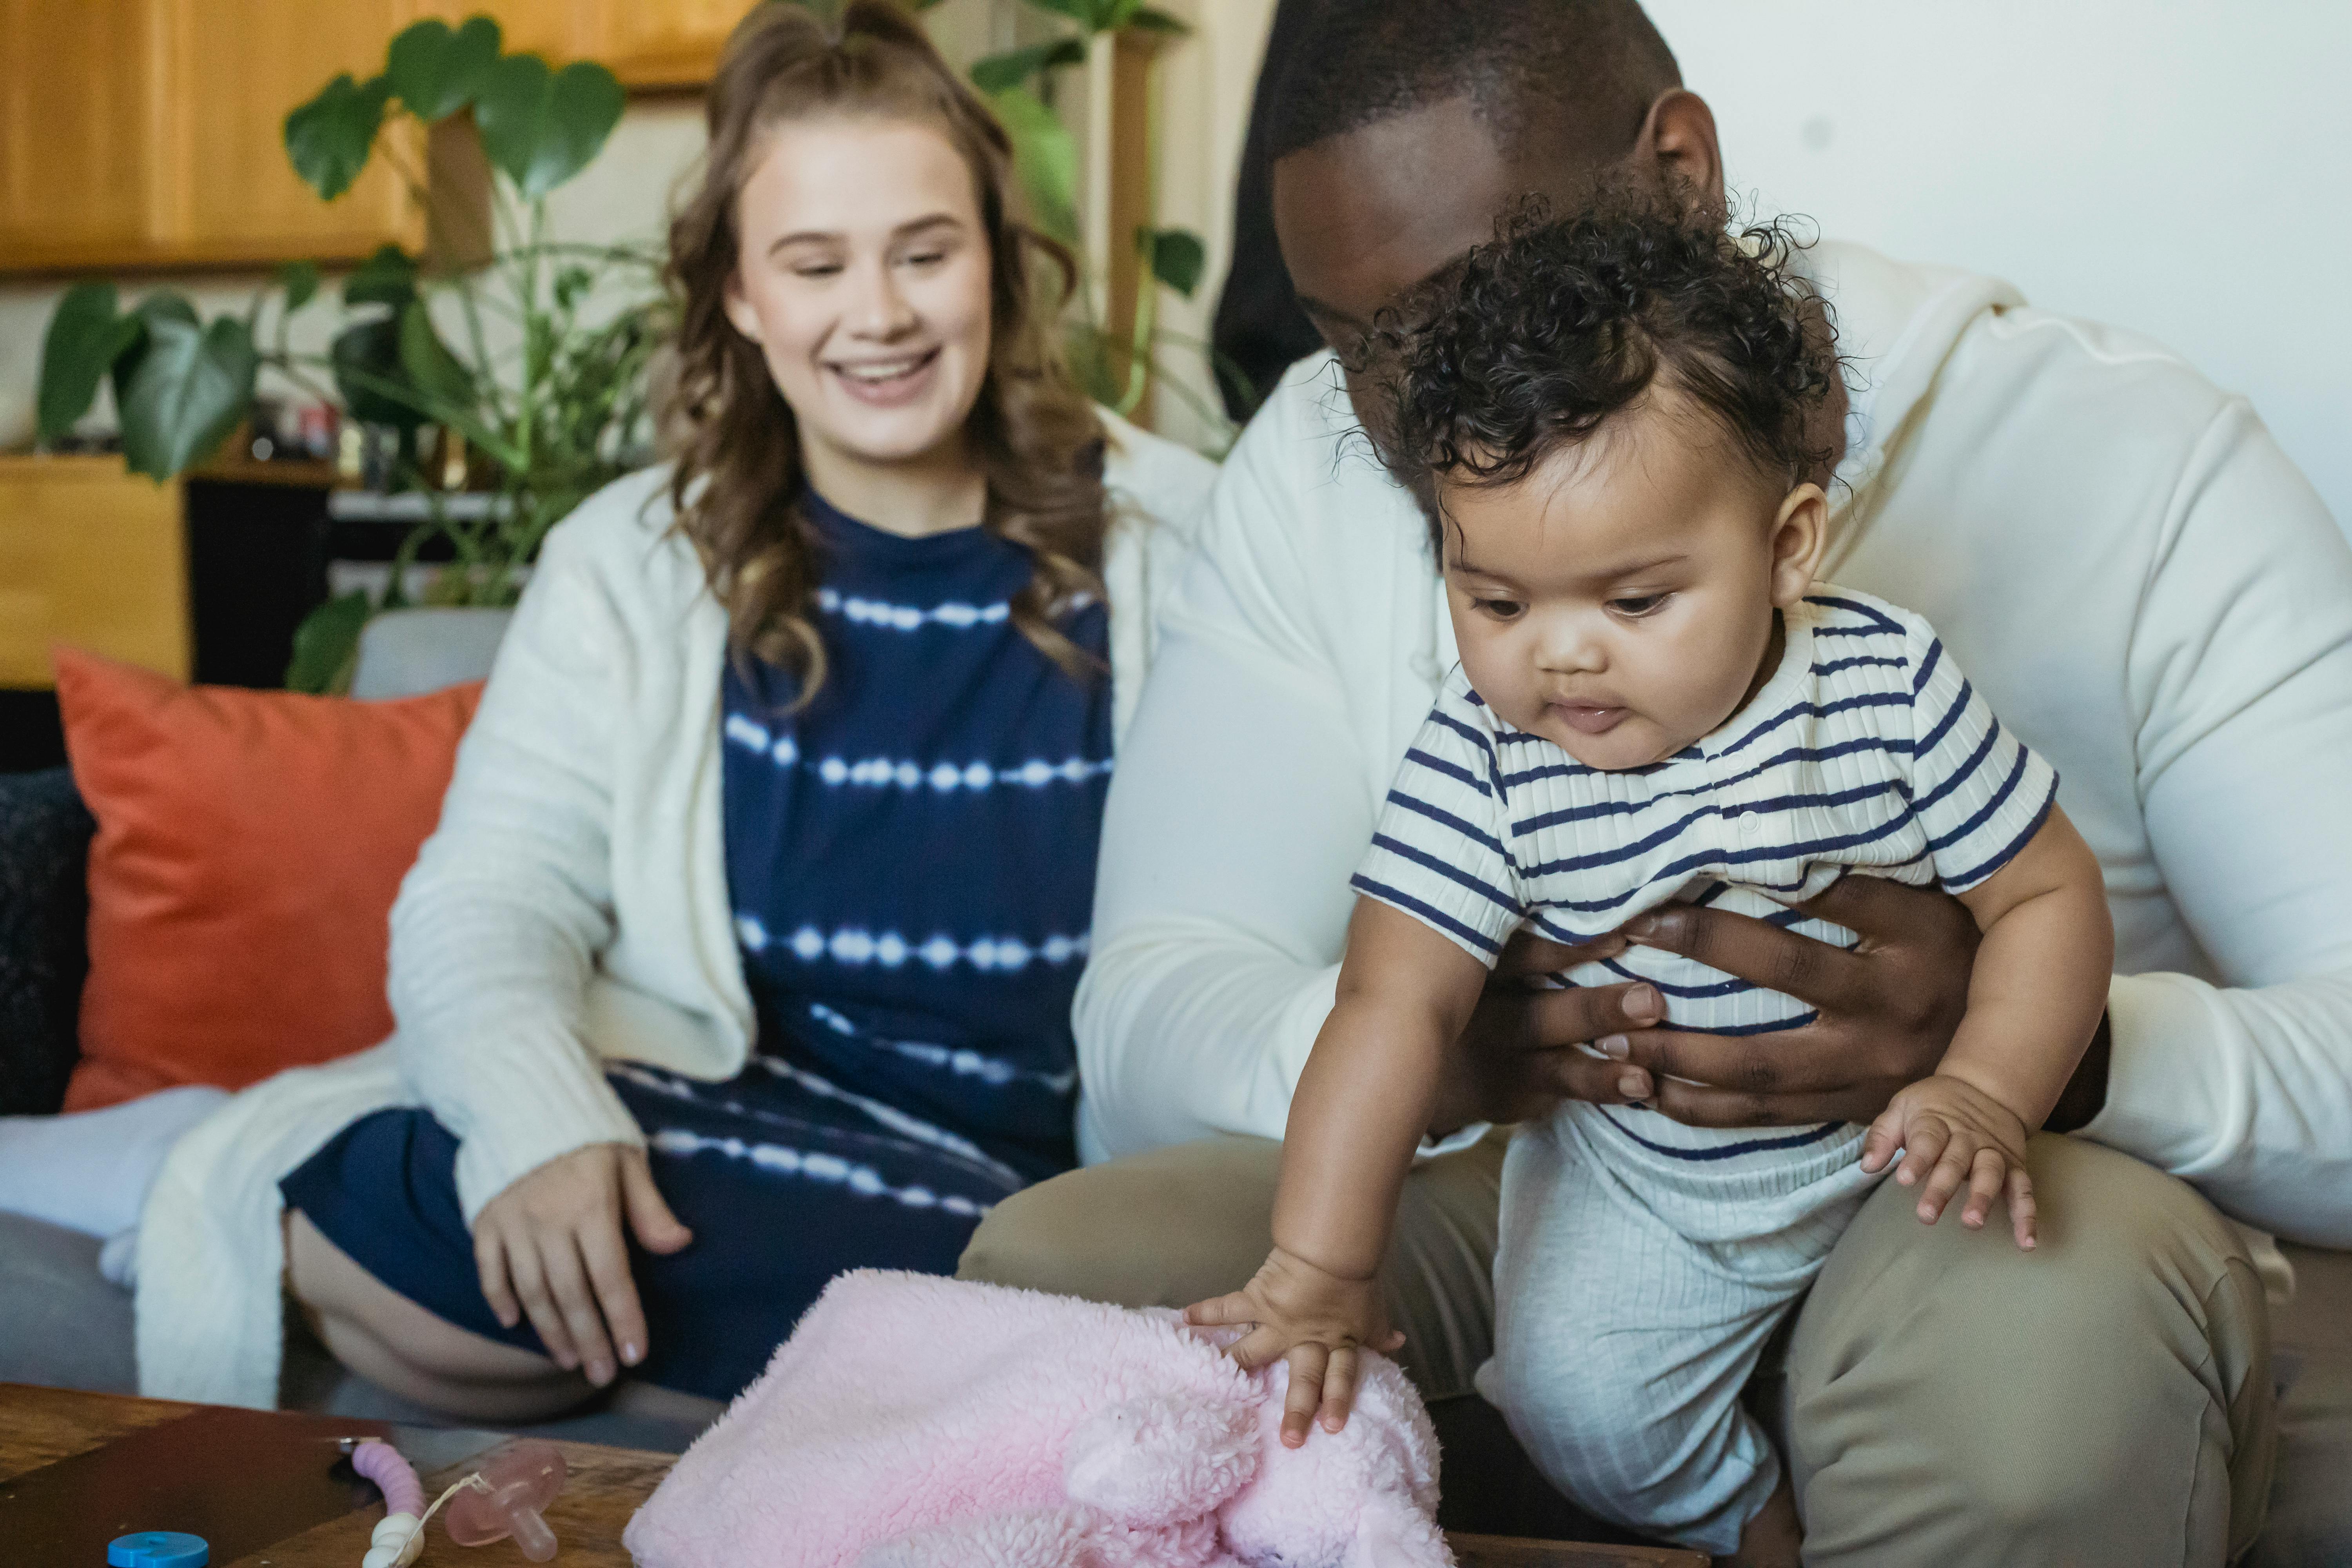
(1866, 750)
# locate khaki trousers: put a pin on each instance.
(1942, 1398)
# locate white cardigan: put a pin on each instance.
(570, 908)
(2119, 556)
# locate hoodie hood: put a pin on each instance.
(1896, 325)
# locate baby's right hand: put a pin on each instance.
(1315, 1319)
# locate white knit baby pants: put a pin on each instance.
(1636, 1288)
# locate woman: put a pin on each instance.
(744, 950)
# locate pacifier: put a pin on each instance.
(506, 1497)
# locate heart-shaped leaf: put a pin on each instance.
(431, 368)
(327, 645)
(368, 375)
(1091, 15)
(85, 338)
(300, 281)
(192, 385)
(1177, 256)
(387, 278)
(161, 306)
(329, 138)
(998, 72)
(435, 71)
(1044, 159)
(541, 127)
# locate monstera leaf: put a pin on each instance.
(1177, 257)
(84, 339)
(192, 385)
(1044, 158)
(329, 138)
(1015, 67)
(387, 278)
(542, 127)
(436, 71)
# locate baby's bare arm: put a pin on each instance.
(1405, 994)
(1363, 1102)
(2039, 982)
(2035, 993)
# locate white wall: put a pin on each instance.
(2175, 166)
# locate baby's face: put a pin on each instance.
(1618, 601)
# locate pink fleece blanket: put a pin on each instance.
(913, 1422)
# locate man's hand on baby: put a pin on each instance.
(1317, 1320)
(1953, 1134)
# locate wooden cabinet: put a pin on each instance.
(672, 45)
(93, 556)
(651, 45)
(233, 68)
(78, 136)
(151, 133)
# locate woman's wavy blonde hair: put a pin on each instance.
(738, 482)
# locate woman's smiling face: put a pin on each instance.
(862, 273)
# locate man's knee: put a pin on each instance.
(1163, 1228)
(2099, 1399)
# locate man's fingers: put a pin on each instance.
(1882, 908)
(567, 1281)
(607, 1260)
(1763, 954)
(1580, 1014)
(1528, 953)
(1339, 1388)
(2023, 1215)
(523, 1264)
(1986, 1174)
(1572, 1073)
(491, 1262)
(1703, 1105)
(650, 1219)
(1306, 1392)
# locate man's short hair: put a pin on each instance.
(1597, 65)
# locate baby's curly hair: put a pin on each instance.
(1537, 339)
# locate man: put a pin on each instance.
(2118, 554)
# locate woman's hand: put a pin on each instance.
(550, 1246)
(1887, 1010)
(1318, 1320)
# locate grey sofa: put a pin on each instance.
(62, 1324)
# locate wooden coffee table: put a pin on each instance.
(266, 1487)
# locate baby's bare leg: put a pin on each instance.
(1773, 1538)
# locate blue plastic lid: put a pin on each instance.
(157, 1549)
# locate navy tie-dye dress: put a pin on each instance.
(910, 859)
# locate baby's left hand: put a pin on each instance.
(1951, 1132)
(1315, 1321)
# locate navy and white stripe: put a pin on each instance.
(1867, 750)
(911, 855)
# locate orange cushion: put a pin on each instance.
(248, 847)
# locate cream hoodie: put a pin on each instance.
(571, 908)
(2118, 554)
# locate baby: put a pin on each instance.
(1606, 418)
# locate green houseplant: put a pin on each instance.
(548, 381)
(1117, 367)
(547, 376)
